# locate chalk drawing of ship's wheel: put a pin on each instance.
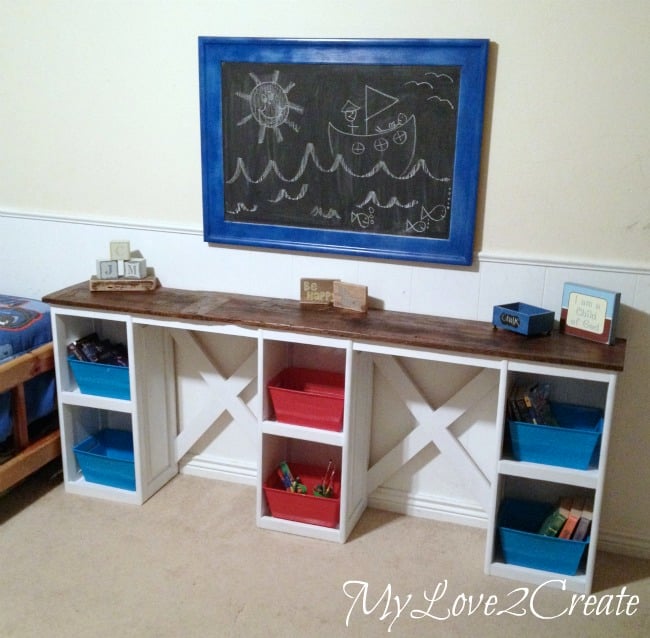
(381, 144)
(270, 106)
(400, 137)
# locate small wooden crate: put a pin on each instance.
(523, 318)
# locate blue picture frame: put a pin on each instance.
(367, 148)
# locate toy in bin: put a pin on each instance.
(290, 483)
(304, 494)
(293, 484)
(326, 487)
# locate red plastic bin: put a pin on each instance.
(303, 508)
(303, 396)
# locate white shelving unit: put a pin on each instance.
(548, 483)
(254, 338)
(348, 449)
(83, 415)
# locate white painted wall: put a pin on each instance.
(99, 113)
(99, 140)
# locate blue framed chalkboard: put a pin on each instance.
(368, 148)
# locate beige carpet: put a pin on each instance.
(191, 562)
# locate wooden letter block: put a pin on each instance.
(120, 250)
(317, 291)
(107, 269)
(350, 296)
(135, 268)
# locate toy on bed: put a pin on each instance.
(28, 438)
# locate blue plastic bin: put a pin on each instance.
(101, 379)
(521, 545)
(573, 443)
(523, 318)
(107, 458)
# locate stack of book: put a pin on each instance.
(571, 519)
(93, 349)
(531, 404)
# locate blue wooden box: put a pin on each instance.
(523, 318)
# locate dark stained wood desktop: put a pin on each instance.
(376, 326)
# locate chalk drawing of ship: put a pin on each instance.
(392, 142)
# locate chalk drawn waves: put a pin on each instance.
(301, 190)
(272, 168)
(372, 198)
(283, 194)
(242, 208)
(339, 163)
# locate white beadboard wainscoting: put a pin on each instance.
(43, 252)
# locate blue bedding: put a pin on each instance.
(25, 325)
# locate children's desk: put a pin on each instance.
(281, 332)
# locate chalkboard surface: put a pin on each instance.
(365, 148)
(369, 148)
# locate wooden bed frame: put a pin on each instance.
(30, 455)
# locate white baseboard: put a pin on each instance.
(418, 505)
(216, 468)
(424, 506)
(627, 544)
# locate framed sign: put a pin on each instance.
(368, 148)
(590, 313)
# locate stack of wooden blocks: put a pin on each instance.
(123, 271)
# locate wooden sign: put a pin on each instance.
(317, 291)
(589, 313)
(350, 296)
